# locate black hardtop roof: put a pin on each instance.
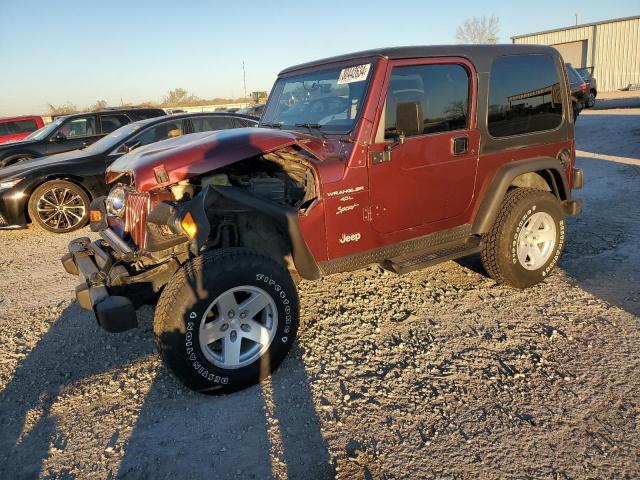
(475, 53)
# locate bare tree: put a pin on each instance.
(479, 30)
(178, 97)
(99, 105)
(64, 109)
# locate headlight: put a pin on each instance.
(7, 184)
(116, 202)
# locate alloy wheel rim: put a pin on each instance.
(238, 327)
(61, 208)
(536, 241)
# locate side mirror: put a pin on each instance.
(59, 137)
(128, 147)
(409, 119)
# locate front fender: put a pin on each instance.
(229, 199)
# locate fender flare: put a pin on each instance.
(498, 187)
(231, 199)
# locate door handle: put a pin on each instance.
(459, 145)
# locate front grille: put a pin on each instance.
(137, 206)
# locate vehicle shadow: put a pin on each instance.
(269, 429)
(70, 351)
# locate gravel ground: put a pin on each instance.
(436, 374)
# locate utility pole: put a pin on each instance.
(576, 19)
(244, 76)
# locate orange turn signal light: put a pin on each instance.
(95, 216)
(189, 225)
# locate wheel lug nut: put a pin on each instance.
(231, 314)
(245, 327)
(224, 327)
(243, 314)
(233, 335)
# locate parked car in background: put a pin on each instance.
(587, 75)
(253, 110)
(579, 90)
(71, 132)
(54, 192)
(17, 128)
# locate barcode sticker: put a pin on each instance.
(357, 73)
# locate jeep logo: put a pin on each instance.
(354, 237)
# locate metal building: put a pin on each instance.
(611, 47)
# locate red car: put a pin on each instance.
(17, 128)
(401, 157)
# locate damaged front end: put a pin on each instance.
(146, 236)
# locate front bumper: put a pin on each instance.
(107, 287)
(13, 208)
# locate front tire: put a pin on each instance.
(59, 206)
(526, 240)
(226, 320)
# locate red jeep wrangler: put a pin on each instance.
(402, 157)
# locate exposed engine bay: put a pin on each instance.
(282, 177)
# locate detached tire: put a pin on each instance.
(59, 206)
(526, 240)
(226, 320)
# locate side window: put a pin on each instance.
(440, 94)
(4, 130)
(23, 126)
(79, 127)
(207, 124)
(243, 122)
(524, 95)
(160, 132)
(112, 122)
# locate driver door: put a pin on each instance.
(422, 166)
(72, 134)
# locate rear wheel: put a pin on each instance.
(226, 320)
(526, 240)
(59, 206)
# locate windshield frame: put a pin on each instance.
(120, 138)
(43, 132)
(266, 121)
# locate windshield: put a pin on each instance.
(585, 73)
(328, 100)
(45, 131)
(115, 137)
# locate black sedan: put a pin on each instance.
(55, 192)
(70, 132)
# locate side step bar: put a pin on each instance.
(427, 258)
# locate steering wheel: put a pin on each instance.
(328, 105)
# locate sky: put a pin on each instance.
(137, 50)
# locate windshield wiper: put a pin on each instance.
(272, 125)
(312, 127)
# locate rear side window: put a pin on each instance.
(143, 114)
(160, 132)
(22, 126)
(113, 122)
(524, 95)
(442, 92)
(207, 124)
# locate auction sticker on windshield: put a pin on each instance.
(357, 73)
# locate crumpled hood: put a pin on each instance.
(198, 153)
(27, 165)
